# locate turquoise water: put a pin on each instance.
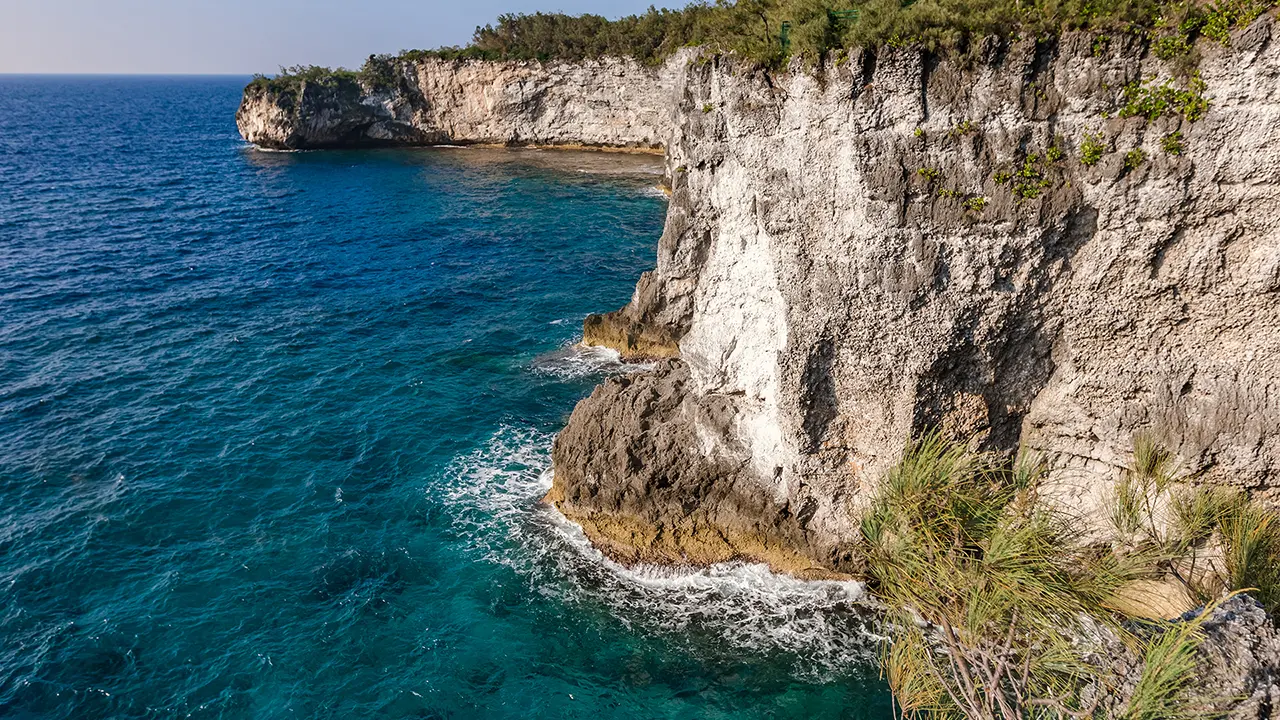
(273, 428)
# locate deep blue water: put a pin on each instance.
(273, 428)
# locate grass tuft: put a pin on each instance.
(960, 540)
(1169, 664)
(1251, 534)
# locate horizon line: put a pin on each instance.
(125, 74)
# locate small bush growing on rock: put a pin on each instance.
(1224, 15)
(708, 108)
(977, 203)
(1134, 158)
(929, 174)
(1002, 177)
(919, 133)
(1213, 539)
(1029, 181)
(1092, 149)
(1154, 101)
(1172, 143)
(1171, 47)
(963, 128)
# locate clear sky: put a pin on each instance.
(245, 36)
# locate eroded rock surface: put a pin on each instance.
(1240, 660)
(632, 469)
(854, 256)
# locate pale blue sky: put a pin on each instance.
(245, 36)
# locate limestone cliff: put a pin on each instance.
(902, 242)
(609, 102)
(1053, 246)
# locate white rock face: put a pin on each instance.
(834, 291)
(610, 102)
(738, 299)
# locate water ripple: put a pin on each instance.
(273, 427)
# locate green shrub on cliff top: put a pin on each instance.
(290, 79)
(753, 28)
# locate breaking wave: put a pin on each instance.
(574, 360)
(823, 629)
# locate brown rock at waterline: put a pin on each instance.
(634, 341)
(629, 471)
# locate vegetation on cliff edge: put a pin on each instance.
(753, 29)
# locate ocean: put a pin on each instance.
(274, 428)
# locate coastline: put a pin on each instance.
(1006, 255)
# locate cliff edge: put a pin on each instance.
(609, 102)
(1052, 249)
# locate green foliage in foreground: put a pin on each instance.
(999, 610)
(959, 542)
(752, 29)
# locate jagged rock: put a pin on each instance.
(635, 340)
(1240, 660)
(320, 115)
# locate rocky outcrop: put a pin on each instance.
(609, 102)
(634, 475)
(1239, 660)
(902, 242)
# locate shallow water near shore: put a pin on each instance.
(274, 427)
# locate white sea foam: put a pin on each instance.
(262, 149)
(824, 629)
(574, 360)
(627, 169)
